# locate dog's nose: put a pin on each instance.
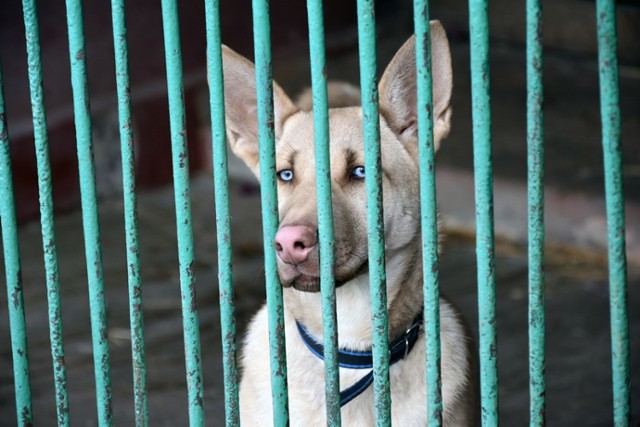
(294, 243)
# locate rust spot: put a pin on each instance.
(104, 335)
(192, 287)
(26, 417)
(15, 296)
(191, 269)
(62, 409)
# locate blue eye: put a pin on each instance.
(357, 172)
(285, 175)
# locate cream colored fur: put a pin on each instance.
(297, 206)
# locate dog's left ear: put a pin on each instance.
(398, 96)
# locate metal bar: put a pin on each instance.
(182, 193)
(535, 159)
(610, 114)
(130, 213)
(18, 329)
(429, 215)
(223, 228)
(46, 209)
(375, 220)
(481, 114)
(93, 253)
(325, 209)
(269, 198)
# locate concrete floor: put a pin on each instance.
(578, 360)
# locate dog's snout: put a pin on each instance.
(294, 243)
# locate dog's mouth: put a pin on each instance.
(306, 282)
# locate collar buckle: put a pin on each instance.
(407, 334)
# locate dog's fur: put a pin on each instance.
(297, 207)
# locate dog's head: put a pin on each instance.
(296, 241)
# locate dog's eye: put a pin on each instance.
(285, 175)
(357, 172)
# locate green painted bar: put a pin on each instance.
(182, 193)
(130, 213)
(325, 210)
(223, 228)
(46, 209)
(93, 253)
(375, 220)
(610, 113)
(481, 114)
(18, 329)
(429, 214)
(269, 199)
(535, 159)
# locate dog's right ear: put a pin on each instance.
(241, 111)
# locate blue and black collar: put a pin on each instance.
(398, 350)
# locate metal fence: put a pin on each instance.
(479, 35)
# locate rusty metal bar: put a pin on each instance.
(325, 210)
(481, 114)
(429, 214)
(611, 145)
(130, 213)
(17, 326)
(182, 195)
(375, 219)
(269, 198)
(89, 201)
(223, 228)
(34, 64)
(535, 183)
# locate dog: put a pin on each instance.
(296, 243)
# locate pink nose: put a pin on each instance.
(294, 243)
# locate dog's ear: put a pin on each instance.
(398, 96)
(241, 111)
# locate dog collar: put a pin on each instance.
(398, 350)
